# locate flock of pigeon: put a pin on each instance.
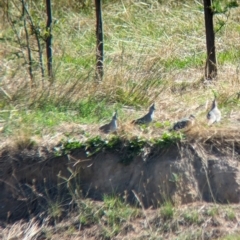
(213, 116)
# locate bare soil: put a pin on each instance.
(195, 175)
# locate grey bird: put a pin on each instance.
(148, 118)
(110, 127)
(184, 123)
(214, 115)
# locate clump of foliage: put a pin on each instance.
(169, 138)
(133, 147)
(130, 148)
(91, 146)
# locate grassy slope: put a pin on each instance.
(153, 52)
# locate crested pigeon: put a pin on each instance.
(184, 123)
(147, 118)
(214, 115)
(110, 127)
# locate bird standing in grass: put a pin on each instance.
(110, 127)
(184, 123)
(148, 118)
(214, 115)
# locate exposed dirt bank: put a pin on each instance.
(184, 172)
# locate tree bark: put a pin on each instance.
(30, 61)
(37, 36)
(99, 35)
(211, 65)
(49, 38)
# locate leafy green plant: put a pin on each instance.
(222, 6)
(96, 144)
(133, 148)
(168, 138)
(174, 177)
(136, 144)
(67, 147)
(92, 146)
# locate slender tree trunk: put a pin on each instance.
(37, 36)
(49, 38)
(28, 43)
(99, 34)
(211, 66)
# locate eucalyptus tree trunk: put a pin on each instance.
(211, 65)
(99, 35)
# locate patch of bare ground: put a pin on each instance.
(189, 189)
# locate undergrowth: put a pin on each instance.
(155, 51)
(131, 147)
(145, 62)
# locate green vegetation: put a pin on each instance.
(134, 147)
(213, 211)
(167, 210)
(140, 60)
(192, 217)
(91, 146)
(231, 237)
(155, 51)
(230, 214)
(131, 147)
(116, 213)
(169, 138)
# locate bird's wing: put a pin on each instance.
(141, 120)
(180, 124)
(104, 128)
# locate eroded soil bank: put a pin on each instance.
(184, 172)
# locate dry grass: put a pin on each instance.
(143, 60)
(22, 230)
(153, 53)
(192, 221)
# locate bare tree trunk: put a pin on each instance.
(211, 65)
(37, 36)
(49, 38)
(99, 34)
(28, 43)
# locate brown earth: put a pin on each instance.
(183, 172)
(187, 172)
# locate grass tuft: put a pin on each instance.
(167, 210)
